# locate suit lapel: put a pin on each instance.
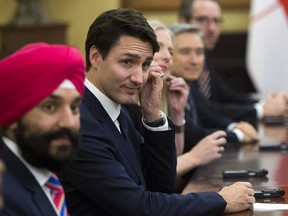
(126, 149)
(29, 182)
(41, 202)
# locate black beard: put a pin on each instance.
(35, 148)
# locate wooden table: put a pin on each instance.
(209, 178)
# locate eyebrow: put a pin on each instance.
(135, 56)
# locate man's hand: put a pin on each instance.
(239, 196)
(250, 133)
(209, 148)
(150, 94)
(276, 105)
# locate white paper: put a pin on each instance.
(269, 206)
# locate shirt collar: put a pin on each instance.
(112, 108)
(41, 175)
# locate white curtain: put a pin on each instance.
(267, 47)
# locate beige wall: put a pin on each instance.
(234, 20)
(80, 14)
(7, 9)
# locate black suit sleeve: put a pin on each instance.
(208, 121)
(100, 180)
(207, 115)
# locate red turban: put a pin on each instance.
(32, 73)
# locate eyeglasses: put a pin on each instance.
(202, 20)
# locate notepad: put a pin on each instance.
(269, 207)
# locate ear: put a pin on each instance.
(10, 131)
(183, 20)
(94, 56)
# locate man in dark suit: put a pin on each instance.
(39, 125)
(115, 170)
(237, 105)
(188, 62)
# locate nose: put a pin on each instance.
(212, 26)
(69, 120)
(137, 76)
(193, 57)
(167, 56)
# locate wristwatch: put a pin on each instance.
(157, 123)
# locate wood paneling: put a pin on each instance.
(13, 38)
(144, 5)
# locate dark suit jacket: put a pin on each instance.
(208, 120)
(233, 104)
(222, 92)
(22, 193)
(106, 178)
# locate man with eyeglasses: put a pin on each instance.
(207, 14)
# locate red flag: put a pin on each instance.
(285, 5)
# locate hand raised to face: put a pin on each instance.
(150, 95)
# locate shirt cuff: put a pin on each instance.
(259, 109)
(240, 135)
(231, 126)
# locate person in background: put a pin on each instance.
(207, 14)
(188, 62)
(41, 93)
(106, 175)
(173, 101)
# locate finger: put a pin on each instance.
(154, 67)
(156, 73)
(220, 141)
(251, 199)
(218, 134)
(252, 192)
(153, 63)
(221, 149)
(253, 134)
(246, 184)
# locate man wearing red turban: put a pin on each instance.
(41, 88)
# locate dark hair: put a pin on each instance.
(185, 9)
(107, 29)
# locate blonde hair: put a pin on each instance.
(155, 25)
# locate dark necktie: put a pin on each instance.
(204, 83)
(191, 109)
(124, 128)
(57, 194)
(129, 149)
(123, 124)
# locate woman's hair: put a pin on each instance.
(155, 25)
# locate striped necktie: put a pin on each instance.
(57, 194)
(204, 83)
